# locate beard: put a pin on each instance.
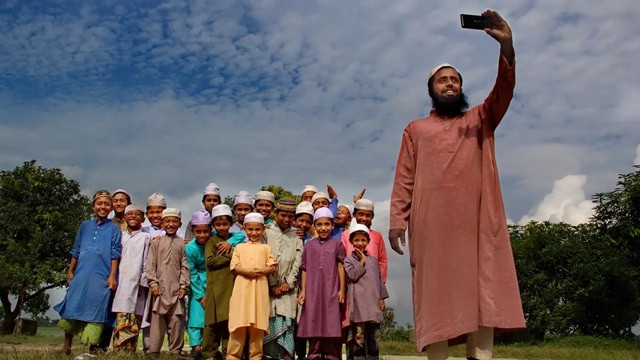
(450, 108)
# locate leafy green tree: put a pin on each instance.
(40, 212)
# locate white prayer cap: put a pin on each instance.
(345, 206)
(309, 188)
(364, 204)
(171, 212)
(266, 195)
(201, 217)
(253, 218)
(304, 207)
(242, 197)
(122, 191)
(133, 207)
(212, 189)
(319, 195)
(156, 199)
(221, 210)
(358, 227)
(435, 69)
(322, 212)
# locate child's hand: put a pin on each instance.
(155, 290)
(284, 288)
(341, 296)
(331, 192)
(182, 293)
(275, 291)
(359, 196)
(223, 248)
(381, 304)
(300, 300)
(112, 283)
(203, 301)
(360, 255)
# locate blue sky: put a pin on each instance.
(169, 96)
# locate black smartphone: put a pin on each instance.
(476, 22)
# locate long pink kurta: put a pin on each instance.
(447, 190)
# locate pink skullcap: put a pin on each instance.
(322, 212)
(201, 218)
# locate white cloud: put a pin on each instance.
(566, 203)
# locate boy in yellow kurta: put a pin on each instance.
(249, 306)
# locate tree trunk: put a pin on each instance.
(9, 322)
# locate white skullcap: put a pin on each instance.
(346, 206)
(364, 204)
(242, 197)
(319, 195)
(221, 210)
(156, 199)
(266, 195)
(435, 69)
(201, 218)
(171, 212)
(122, 191)
(253, 218)
(212, 189)
(304, 207)
(309, 188)
(358, 227)
(322, 212)
(133, 207)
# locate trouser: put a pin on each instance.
(363, 341)
(107, 330)
(479, 346)
(161, 324)
(214, 336)
(301, 345)
(329, 347)
(237, 339)
(195, 336)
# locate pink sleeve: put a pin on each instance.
(400, 207)
(497, 102)
(382, 258)
(345, 242)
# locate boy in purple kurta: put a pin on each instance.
(323, 288)
(365, 296)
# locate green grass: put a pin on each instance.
(48, 341)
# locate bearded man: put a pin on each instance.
(447, 191)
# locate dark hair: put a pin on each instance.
(218, 195)
(227, 216)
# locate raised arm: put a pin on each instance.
(501, 31)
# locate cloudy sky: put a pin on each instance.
(169, 96)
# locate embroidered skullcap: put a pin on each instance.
(133, 207)
(253, 218)
(319, 195)
(309, 188)
(101, 193)
(304, 207)
(171, 212)
(221, 210)
(364, 204)
(156, 199)
(286, 204)
(322, 212)
(123, 191)
(435, 69)
(242, 197)
(359, 227)
(266, 195)
(212, 189)
(201, 217)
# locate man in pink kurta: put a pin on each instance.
(447, 192)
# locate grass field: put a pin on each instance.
(47, 343)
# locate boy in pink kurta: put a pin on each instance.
(447, 191)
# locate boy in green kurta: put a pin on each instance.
(219, 286)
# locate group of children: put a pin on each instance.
(257, 285)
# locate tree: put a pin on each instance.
(40, 212)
